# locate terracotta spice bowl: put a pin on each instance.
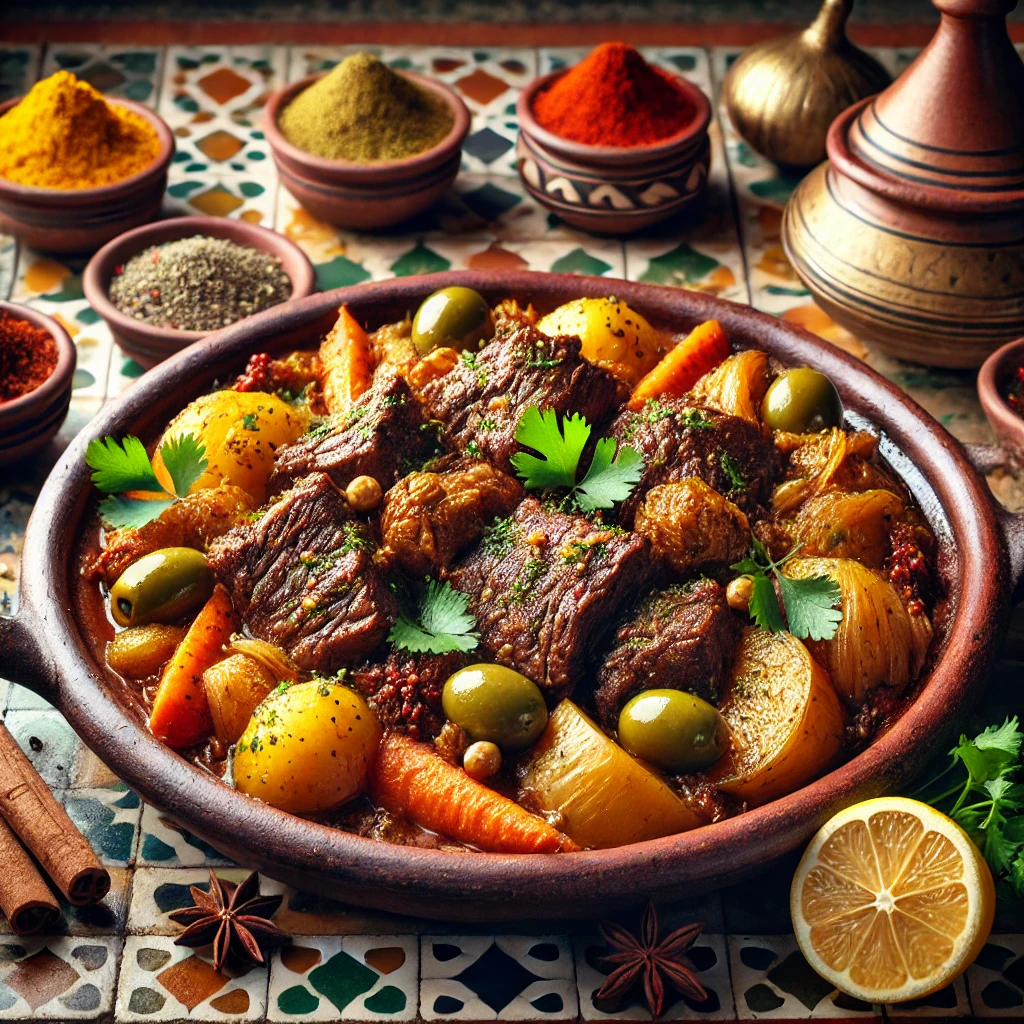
(613, 190)
(993, 379)
(148, 344)
(370, 195)
(28, 422)
(80, 220)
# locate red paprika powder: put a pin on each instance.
(614, 98)
(28, 355)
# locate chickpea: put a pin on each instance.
(482, 760)
(363, 493)
(738, 592)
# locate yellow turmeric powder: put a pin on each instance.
(64, 134)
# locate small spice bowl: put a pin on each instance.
(80, 220)
(372, 195)
(147, 344)
(993, 379)
(28, 422)
(613, 190)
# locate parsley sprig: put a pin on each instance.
(119, 468)
(810, 603)
(979, 791)
(610, 478)
(443, 623)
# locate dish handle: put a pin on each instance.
(985, 458)
(22, 658)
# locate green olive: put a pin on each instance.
(162, 586)
(672, 729)
(800, 401)
(451, 318)
(497, 704)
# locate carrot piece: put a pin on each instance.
(347, 360)
(181, 713)
(409, 778)
(680, 368)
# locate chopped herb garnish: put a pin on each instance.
(500, 536)
(249, 421)
(533, 570)
(474, 450)
(119, 468)
(732, 471)
(443, 623)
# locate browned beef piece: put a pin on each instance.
(430, 517)
(383, 435)
(302, 577)
(679, 440)
(682, 638)
(481, 400)
(405, 689)
(544, 588)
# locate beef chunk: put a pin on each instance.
(430, 517)
(682, 638)
(679, 440)
(692, 528)
(481, 400)
(381, 436)
(544, 586)
(405, 690)
(302, 577)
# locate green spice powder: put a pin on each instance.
(365, 112)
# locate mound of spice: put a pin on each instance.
(64, 134)
(364, 112)
(614, 98)
(28, 355)
(198, 284)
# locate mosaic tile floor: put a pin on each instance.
(118, 960)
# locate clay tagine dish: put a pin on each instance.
(911, 235)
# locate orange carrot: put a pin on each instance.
(181, 714)
(409, 778)
(348, 362)
(700, 351)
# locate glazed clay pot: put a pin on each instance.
(912, 234)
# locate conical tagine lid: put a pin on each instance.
(954, 120)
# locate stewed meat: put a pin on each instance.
(544, 587)
(430, 517)
(302, 577)
(383, 435)
(682, 638)
(481, 400)
(679, 440)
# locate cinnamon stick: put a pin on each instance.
(25, 898)
(31, 810)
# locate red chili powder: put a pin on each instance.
(28, 355)
(614, 98)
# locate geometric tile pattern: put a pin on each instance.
(348, 963)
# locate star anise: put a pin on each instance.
(234, 918)
(645, 958)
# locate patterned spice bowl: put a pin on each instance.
(1001, 391)
(364, 146)
(71, 189)
(187, 259)
(39, 353)
(639, 155)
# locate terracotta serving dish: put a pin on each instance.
(28, 422)
(80, 220)
(993, 379)
(147, 344)
(47, 646)
(367, 196)
(613, 189)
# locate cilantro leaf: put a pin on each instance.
(764, 605)
(811, 606)
(121, 513)
(185, 459)
(561, 453)
(121, 467)
(444, 623)
(609, 479)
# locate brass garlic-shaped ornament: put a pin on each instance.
(783, 94)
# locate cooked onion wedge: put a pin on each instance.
(839, 525)
(736, 386)
(785, 719)
(598, 794)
